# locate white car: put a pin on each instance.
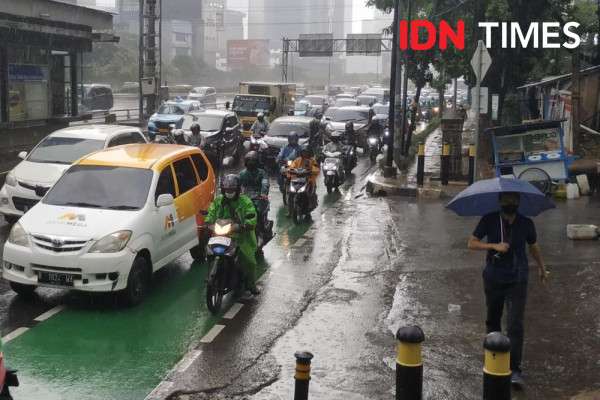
(111, 220)
(40, 169)
(205, 95)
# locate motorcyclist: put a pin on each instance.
(308, 162)
(335, 144)
(180, 137)
(261, 125)
(288, 153)
(350, 134)
(196, 138)
(255, 184)
(314, 138)
(233, 205)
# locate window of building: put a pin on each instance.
(182, 51)
(181, 37)
(28, 83)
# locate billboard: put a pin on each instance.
(244, 53)
(315, 45)
(363, 44)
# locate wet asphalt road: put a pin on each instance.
(338, 286)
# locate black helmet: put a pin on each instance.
(349, 126)
(293, 138)
(318, 114)
(195, 128)
(314, 126)
(231, 184)
(251, 160)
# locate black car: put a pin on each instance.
(220, 130)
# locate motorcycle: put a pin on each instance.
(264, 226)
(374, 146)
(283, 169)
(258, 144)
(333, 170)
(300, 202)
(8, 378)
(225, 275)
(350, 159)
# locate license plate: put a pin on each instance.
(163, 130)
(219, 241)
(55, 278)
(330, 173)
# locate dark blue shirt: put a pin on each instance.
(512, 266)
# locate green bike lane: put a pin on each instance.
(95, 350)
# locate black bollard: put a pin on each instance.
(409, 365)
(421, 165)
(445, 164)
(302, 376)
(496, 367)
(471, 164)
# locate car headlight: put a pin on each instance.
(10, 179)
(112, 243)
(18, 236)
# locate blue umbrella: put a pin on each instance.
(481, 198)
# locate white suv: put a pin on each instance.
(40, 169)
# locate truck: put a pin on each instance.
(271, 98)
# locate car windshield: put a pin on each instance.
(302, 106)
(345, 102)
(251, 105)
(63, 150)
(381, 109)
(284, 128)
(199, 90)
(171, 109)
(346, 115)
(209, 123)
(315, 101)
(94, 186)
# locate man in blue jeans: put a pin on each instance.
(506, 271)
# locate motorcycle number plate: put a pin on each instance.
(219, 241)
(330, 172)
(163, 130)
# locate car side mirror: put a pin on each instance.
(23, 155)
(164, 200)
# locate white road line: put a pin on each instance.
(160, 391)
(300, 242)
(14, 334)
(5, 172)
(187, 361)
(232, 312)
(212, 334)
(49, 313)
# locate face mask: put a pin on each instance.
(230, 195)
(509, 209)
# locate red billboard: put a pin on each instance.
(243, 53)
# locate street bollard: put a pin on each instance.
(421, 165)
(496, 367)
(409, 365)
(471, 164)
(445, 164)
(302, 375)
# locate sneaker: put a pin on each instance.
(517, 380)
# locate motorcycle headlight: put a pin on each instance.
(292, 189)
(372, 140)
(222, 230)
(302, 189)
(18, 236)
(112, 243)
(10, 179)
(386, 133)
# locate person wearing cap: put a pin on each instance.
(261, 125)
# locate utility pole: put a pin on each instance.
(150, 57)
(404, 119)
(477, 100)
(575, 102)
(389, 170)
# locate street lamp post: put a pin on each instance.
(389, 170)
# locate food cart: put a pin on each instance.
(534, 152)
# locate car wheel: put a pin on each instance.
(11, 219)
(22, 289)
(138, 282)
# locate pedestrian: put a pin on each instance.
(195, 139)
(506, 271)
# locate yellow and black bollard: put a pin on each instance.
(409, 365)
(445, 164)
(421, 165)
(302, 376)
(471, 164)
(496, 367)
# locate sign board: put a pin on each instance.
(495, 106)
(244, 53)
(483, 99)
(363, 44)
(481, 53)
(315, 45)
(148, 86)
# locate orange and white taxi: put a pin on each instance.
(112, 219)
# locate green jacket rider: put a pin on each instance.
(231, 204)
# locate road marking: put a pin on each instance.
(5, 172)
(160, 391)
(212, 334)
(300, 242)
(14, 334)
(49, 313)
(187, 361)
(232, 312)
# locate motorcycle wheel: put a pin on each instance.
(214, 291)
(373, 156)
(297, 214)
(329, 189)
(348, 170)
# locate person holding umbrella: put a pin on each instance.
(504, 204)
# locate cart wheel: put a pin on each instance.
(538, 178)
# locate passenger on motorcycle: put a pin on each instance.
(288, 153)
(196, 138)
(335, 144)
(231, 204)
(261, 125)
(255, 184)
